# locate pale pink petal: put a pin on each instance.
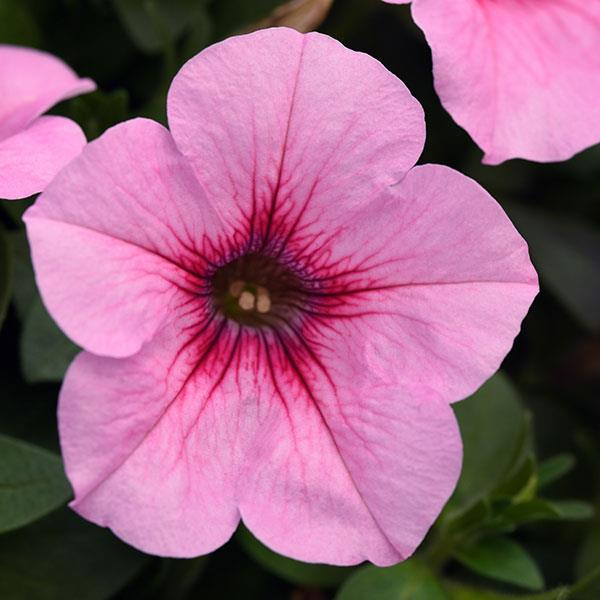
(117, 234)
(434, 269)
(398, 1)
(357, 471)
(31, 158)
(123, 425)
(521, 76)
(416, 300)
(31, 82)
(332, 437)
(196, 429)
(275, 118)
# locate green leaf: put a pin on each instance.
(45, 351)
(492, 424)
(6, 274)
(32, 483)
(572, 510)
(508, 515)
(472, 518)
(589, 555)
(28, 413)
(16, 24)
(15, 209)
(233, 15)
(407, 581)
(63, 557)
(588, 587)
(554, 468)
(459, 591)
(504, 560)
(199, 36)
(566, 253)
(531, 510)
(520, 485)
(25, 291)
(154, 25)
(291, 570)
(174, 578)
(98, 111)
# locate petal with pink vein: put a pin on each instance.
(33, 150)
(285, 305)
(521, 76)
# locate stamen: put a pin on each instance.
(236, 288)
(247, 300)
(256, 290)
(263, 300)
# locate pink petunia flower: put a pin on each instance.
(34, 148)
(521, 76)
(276, 308)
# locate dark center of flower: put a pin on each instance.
(257, 290)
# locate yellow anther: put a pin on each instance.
(263, 300)
(247, 300)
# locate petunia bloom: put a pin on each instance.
(34, 148)
(277, 308)
(521, 76)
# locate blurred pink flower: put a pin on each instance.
(276, 308)
(34, 148)
(521, 76)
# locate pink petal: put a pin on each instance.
(426, 290)
(521, 76)
(333, 439)
(356, 472)
(279, 117)
(31, 82)
(115, 238)
(31, 158)
(435, 269)
(123, 426)
(193, 431)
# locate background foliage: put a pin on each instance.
(522, 521)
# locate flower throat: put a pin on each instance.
(257, 291)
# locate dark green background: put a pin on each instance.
(522, 520)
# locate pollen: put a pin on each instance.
(256, 290)
(263, 300)
(247, 300)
